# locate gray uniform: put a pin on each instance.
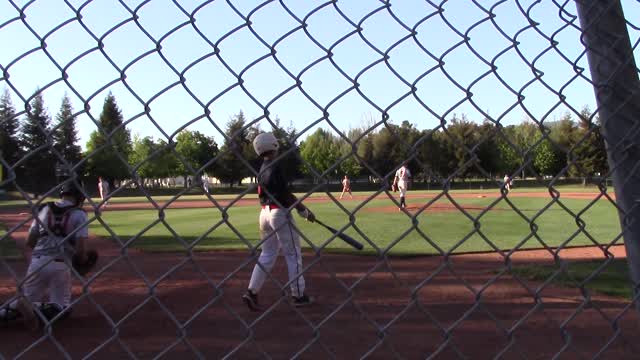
(48, 270)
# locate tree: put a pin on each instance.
(462, 135)
(487, 151)
(548, 159)
(197, 150)
(350, 166)
(320, 153)
(291, 165)
(365, 153)
(38, 168)
(236, 150)
(9, 126)
(112, 142)
(590, 156)
(509, 159)
(65, 135)
(389, 151)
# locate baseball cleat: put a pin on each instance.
(29, 317)
(251, 300)
(303, 300)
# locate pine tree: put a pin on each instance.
(230, 168)
(106, 161)
(65, 135)
(38, 169)
(9, 126)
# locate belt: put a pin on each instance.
(271, 206)
(55, 260)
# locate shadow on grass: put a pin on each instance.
(612, 280)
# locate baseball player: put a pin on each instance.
(346, 186)
(277, 226)
(59, 232)
(103, 187)
(205, 184)
(401, 181)
(507, 183)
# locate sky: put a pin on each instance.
(158, 58)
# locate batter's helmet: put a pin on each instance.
(265, 142)
(70, 188)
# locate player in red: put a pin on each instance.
(277, 226)
(346, 186)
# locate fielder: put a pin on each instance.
(401, 182)
(277, 226)
(103, 188)
(205, 184)
(59, 232)
(346, 186)
(507, 183)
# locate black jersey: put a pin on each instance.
(272, 184)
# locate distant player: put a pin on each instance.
(53, 246)
(277, 226)
(507, 183)
(205, 184)
(402, 181)
(346, 186)
(103, 188)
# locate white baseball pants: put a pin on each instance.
(53, 278)
(402, 187)
(277, 229)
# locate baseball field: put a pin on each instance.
(465, 273)
(461, 222)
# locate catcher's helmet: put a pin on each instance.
(70, 188)
(265, 142)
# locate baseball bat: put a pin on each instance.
(344, 237)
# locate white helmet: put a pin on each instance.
(265, 142)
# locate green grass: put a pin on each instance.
(448, 231)
(16, 201)
(612, 279)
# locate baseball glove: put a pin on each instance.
(394, 187)
(85, 267)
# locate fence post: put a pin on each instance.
(617, 90)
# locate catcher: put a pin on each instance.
(57, 236)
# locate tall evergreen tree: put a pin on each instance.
(116, 139)
(38, 170)
(65, 135)
(9, 126)
(230, 168)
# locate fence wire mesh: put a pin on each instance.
(177, 242)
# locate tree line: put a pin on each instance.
(35, 148)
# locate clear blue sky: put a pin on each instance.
(150, 77)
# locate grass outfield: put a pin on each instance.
(506, 229)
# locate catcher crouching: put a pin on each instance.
(57, 236)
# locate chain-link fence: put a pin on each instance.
(459, 131)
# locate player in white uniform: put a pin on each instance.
(57, 234)
(402, 179)
(277, 226)
(346, 186)
(205, 184)
(507, 183)
(103, 187)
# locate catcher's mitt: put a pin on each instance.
(85, 267)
